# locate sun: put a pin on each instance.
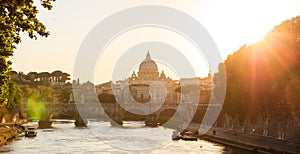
(255, 37)
(233, 23)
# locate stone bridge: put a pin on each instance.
(169, 114)
(44, 112)
(166, 114)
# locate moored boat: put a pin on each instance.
(187, 136)
(176, 135)
(30, 132)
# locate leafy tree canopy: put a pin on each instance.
(263, 78)
(16, 17)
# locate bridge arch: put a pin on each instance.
(134, 115)
(198, 116)
(170, 117)
(44, 112)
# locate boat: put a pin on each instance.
(187, 136)
(30, 132)
(176, 135)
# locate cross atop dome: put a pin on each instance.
(148, 55)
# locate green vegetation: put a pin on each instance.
(106, 98)
(263, 79)
(106, 95)
(35, 79)
(35, 94)
(16, 17)
(65, 92)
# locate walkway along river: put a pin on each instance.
(66, 138)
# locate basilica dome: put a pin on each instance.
(148, 69)
(148, 64)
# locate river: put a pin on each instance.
(100, 137)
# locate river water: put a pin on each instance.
(100, 137)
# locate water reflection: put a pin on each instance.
(65, 138)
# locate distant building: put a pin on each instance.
(85, 97)
(150, 84)
(104, 88)
(83, 93)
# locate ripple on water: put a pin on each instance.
(100, 137)
(6, 149)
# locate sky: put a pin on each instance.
(231, 24)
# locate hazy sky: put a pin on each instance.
(231, 23)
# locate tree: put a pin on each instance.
(27, 91)
(106, 98)
(32, 76)
(263, 79)
(46, 94)
(32, 96)
(44, 78)
(15, 97)
(65, 77)
(56, 75)
(65, 93)
(16, 17)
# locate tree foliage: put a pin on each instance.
(65, 93)
(15, 98)
(46, 94)
(43, 94)
(35, 79)
(106, 98)
(16, 17)
(263, 79)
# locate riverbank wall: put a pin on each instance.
(249, 142)
(8, 132)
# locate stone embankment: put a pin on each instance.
(8, 132)
(251, 142)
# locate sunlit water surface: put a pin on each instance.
(101, 137)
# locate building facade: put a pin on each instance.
(148, 84)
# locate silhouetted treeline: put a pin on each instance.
(42, 78)
(106, 98)
(263, 80)
(44, 86)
